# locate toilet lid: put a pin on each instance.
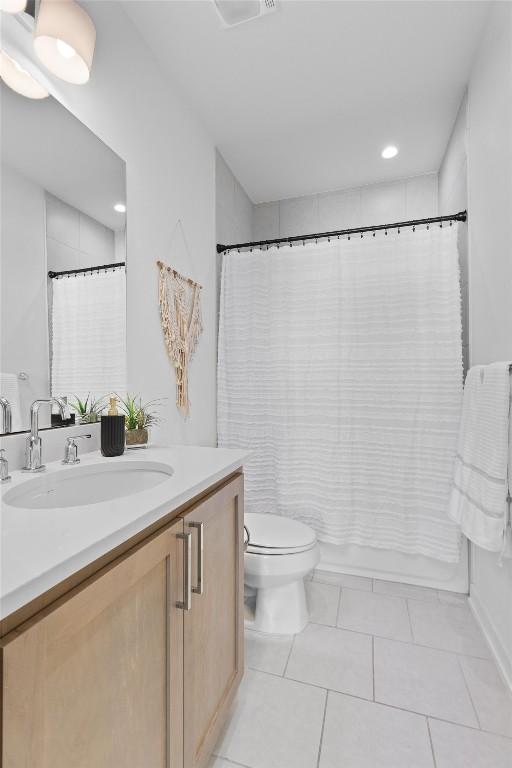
(274, 534)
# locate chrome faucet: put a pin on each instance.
(33, 451)
(71, 450)
(4, 467)
(7, 415)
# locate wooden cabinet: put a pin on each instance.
(213, 628)
(98, 680)
(102, 678)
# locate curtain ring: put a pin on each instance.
(374, 234)
(361, 235)
(386, 232)
(414, 229)
(349, 237)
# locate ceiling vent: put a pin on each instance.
(235, 12)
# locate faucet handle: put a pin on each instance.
(4, 467)
(71, 450)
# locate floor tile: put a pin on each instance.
(382, 615)
(343, 580)
(450, 627)
(458, 747)
(219, 762)
(491, 698)
(361, 734)
(268, 653)
(323, 600)
(405, 590)
(276, 723)
(333, 658)
(452, 598)
(422, 680)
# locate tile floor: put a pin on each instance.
(386, 675)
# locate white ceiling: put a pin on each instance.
(49, 145)
(303, 100)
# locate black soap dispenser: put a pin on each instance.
(112, 431)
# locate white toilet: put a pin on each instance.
(280, 553)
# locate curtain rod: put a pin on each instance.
(461, 216)
(101, 268)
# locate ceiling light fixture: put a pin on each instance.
(19, 80)
(13, 6)
(120, 208)
(64, 40)
(389, 152)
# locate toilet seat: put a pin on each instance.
(275, 535)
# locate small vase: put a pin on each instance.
(136, 438)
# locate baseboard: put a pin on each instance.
(502, 655)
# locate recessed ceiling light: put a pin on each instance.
(120, 207)
(389, 152)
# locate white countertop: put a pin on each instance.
(42, 547)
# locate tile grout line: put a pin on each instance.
(405, 642)
(431, 742)
(382, 704)
(320, 745)
(469, 693)
(288, 658)
(339, 607)
(410, 620)
(373, 667)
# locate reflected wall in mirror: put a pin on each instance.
(62, 188)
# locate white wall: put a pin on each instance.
(170, 165)
(453, 197)
(23, 318)
(234, 209)
(490, 272)
(75, 240)
(358, 207)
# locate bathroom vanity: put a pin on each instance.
(122, 619)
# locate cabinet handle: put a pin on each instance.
(186, 605)
(199, 589)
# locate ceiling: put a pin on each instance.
(303, 100)
(48, 145)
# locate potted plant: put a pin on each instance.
(88, 410)
(139, 417)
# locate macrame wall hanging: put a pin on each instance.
(180, 314)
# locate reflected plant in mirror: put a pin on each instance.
(63, 274)
(88, 410)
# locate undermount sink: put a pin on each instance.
(88, 484)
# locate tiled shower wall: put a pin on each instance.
(453, 196)
(357, 207)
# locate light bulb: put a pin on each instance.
(19, 80)
(389, 152)
(65, 50)
(12, 6)
(120, 208)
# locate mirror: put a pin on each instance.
(62, 319)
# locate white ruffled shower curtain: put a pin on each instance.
(340, 367)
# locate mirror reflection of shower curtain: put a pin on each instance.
(88, 329)
(340, 367)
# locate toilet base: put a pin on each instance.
(281, 610)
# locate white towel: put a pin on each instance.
(479, 500)
(10, 389)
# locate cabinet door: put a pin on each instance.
(213, 633)
(97, 682)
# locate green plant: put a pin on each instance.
(139, 415)
(89, 406)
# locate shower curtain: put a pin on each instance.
(88, 334)
(340, 368)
